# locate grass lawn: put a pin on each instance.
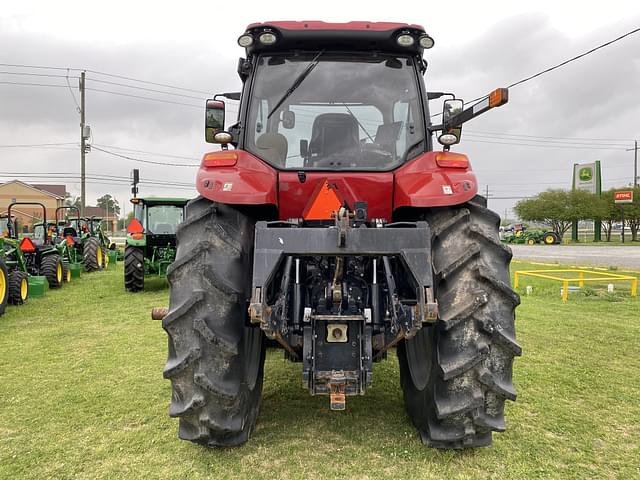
(82, 396)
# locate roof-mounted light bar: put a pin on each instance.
(406, 39)
(265, 37)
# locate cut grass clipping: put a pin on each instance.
(82, 396)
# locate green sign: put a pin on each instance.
(586, 174)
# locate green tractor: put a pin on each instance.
(14, 284)
(151, 239)
(35, 255)
(81, 240)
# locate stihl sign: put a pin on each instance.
(625, 196)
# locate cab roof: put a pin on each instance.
(318, 35)
(180, 202)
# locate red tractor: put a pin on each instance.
(334, 230)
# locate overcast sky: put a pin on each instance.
(479, 46)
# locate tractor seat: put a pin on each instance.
(69, 231)
(333, 133)
(273, 147)
(163, 229)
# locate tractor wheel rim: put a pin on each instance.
(549, 239)
(24, 289)
(68, 276)
(59, 272)
(99, 256)
(3, 285)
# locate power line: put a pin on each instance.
(547, 141)
(38, 67)
(144, 88)
(144, 161)
(45, 67)
(144, 98)
(586, 147)
(546, 70)
(78, 109)
(147, 152)
(25, 145)
(478, 132)
(554, 67)
(33, 84)
(48, 75)
(148, 82)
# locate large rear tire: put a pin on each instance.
(133, 268)
(52, 269)
(216, 357)
(92, 255)
(457, 374)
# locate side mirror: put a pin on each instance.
(214, 120)
(450, 109)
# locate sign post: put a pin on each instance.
(620, 198)
(588, 177)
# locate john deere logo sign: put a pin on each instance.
(586, 174)
(585, 177)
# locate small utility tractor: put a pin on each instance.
(40, 256)
(335, 230)
(86, 241)
(15, 265)
(68, 239)
(533, 237)
(151, 239)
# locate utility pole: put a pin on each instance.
(487, 195)
(83, 192)
(635, 163)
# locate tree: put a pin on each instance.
(70, 201)
(108, 203)
(560, 208)
(632, 213)
(123, 222)
(612, 214)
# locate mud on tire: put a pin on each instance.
(133, 268)
(457, 374)
(216, 358)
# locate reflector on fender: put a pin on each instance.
(452, 160)
(219, 159)
(27, 246)
(498, 97)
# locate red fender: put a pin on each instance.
(434, 179)
(238, 178)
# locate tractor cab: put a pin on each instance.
(151, 238)
(159, 219)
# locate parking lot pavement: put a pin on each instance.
(618, 256)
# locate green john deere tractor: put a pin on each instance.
(151, 239)
(15, 277)
(82, 240)
(35, 255)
